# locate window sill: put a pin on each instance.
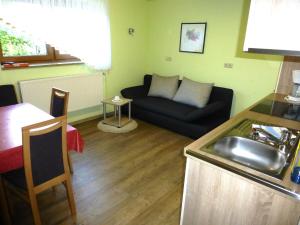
(46, 64)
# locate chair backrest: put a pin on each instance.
(45, 151)
(59, 102)
(8, 95)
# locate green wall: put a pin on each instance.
(128, 55)
(252, 76)
(157, 27)
(128, 52)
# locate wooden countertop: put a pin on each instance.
(196, 149)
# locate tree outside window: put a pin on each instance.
(15, 47)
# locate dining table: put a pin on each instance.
(12, 119)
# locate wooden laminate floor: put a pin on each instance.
(121, 179)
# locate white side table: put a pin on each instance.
(117, 120)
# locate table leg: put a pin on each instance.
(119, 116)
(70, 163)
(129, 111)
(104, 111)
(3, 205)
(115, 110)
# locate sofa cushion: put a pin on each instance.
(193, 93)
(164, 87)
(175, 110)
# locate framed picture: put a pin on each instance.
(192, 37)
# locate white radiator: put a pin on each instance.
(85, 91)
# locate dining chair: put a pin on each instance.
(45, 164)
(59, 107)
(59, 102)
(7, 95)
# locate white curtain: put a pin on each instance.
(77, 27)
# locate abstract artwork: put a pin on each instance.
(192, 37)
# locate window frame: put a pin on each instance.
(52, 56)
(64, 57)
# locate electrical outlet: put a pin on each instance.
(169, 59)
(228, 65)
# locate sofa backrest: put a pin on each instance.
(147, 81)
(217, 94)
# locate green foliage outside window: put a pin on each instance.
(18, 46)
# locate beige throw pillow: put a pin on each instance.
(164, 87)
(193, 93)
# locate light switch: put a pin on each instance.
(228, 65)
(169, 59)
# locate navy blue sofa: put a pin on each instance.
(181, 118)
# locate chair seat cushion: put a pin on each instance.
(16, 178)
(165, 107)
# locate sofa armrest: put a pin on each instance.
(208, 110)
(134, 92)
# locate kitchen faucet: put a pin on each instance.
(278, 137)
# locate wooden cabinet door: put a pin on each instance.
(213, 196)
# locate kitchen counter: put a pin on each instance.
(282, 186)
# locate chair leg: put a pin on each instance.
(3, 204)
(69, 189)
(70, 163)
(34, 208)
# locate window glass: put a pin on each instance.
(16, 44)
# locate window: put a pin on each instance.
(18, 47)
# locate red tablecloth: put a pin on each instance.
(12, 119)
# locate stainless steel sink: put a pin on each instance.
(251, 153)
(261, 154)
